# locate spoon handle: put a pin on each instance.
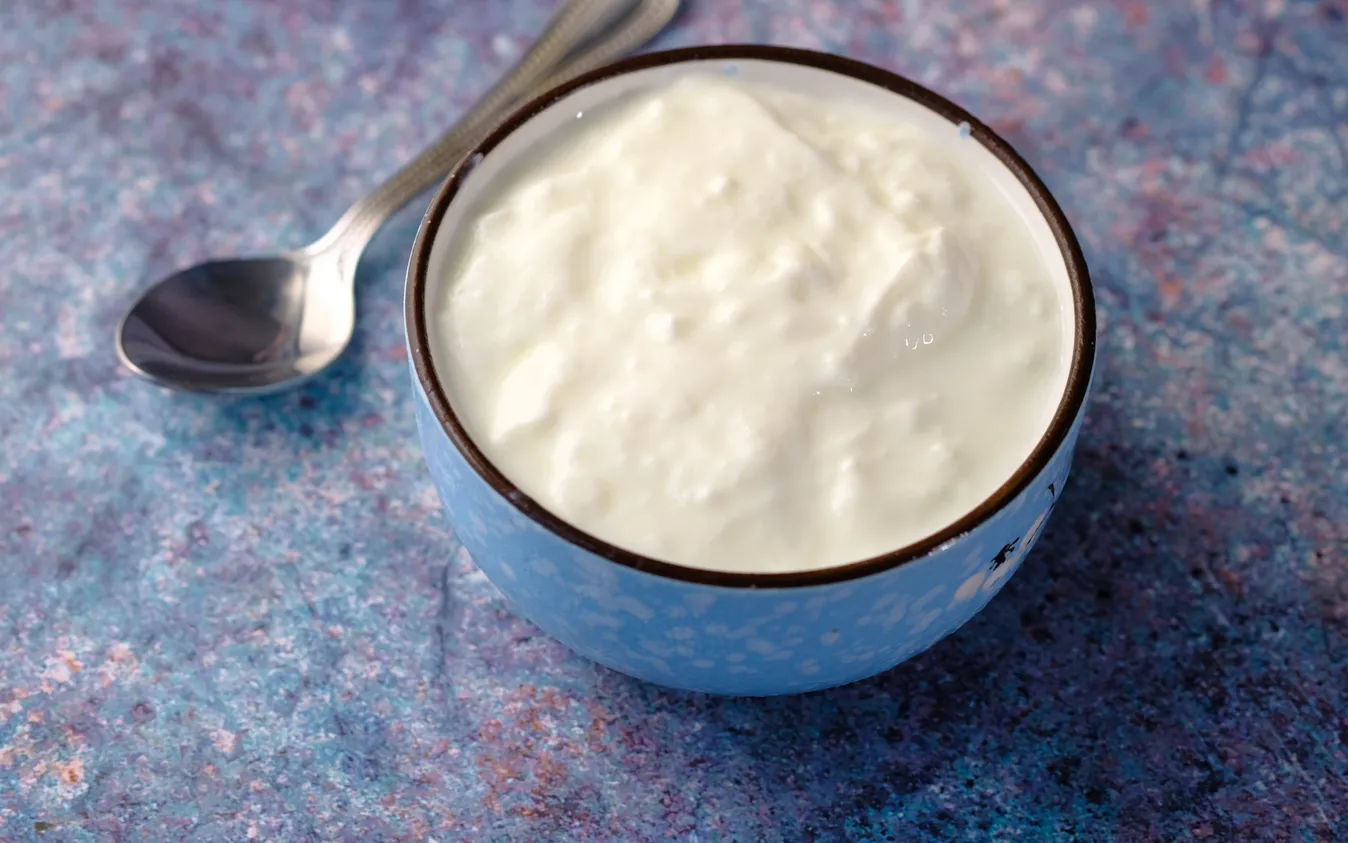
(584, 35)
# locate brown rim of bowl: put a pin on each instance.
(1078, 379)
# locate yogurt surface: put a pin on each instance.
(739, 328)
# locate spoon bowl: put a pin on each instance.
(238, 326)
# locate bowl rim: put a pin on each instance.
(1057, 433)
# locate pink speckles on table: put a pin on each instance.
(249, 621)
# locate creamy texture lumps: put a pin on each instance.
(743, 329)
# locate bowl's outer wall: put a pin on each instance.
(725, 640)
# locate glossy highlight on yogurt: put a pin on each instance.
(738, 328)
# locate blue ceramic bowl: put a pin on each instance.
(739, 633)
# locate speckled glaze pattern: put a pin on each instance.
(225, 621)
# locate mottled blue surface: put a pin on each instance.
(232, 621)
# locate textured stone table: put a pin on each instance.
(233, 621)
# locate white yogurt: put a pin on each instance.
(743, 329)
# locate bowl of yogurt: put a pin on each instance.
(747, 370)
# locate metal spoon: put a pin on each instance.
(258, 325)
